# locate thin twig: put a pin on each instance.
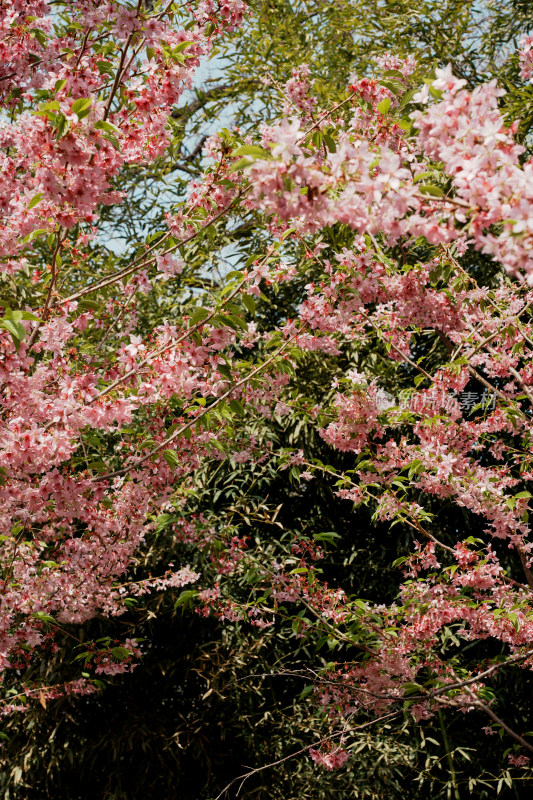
(305, 749)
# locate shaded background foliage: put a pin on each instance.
(209, 698)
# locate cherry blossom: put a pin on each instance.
(96, 445)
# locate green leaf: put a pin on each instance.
(185, 597)
(198, 315)
(97, 466)
(250, 150)
(40, 615)
(120, 653)
(86, 655)
(399, 561)
(36, 199)
(411, 688)
(17, 331)
(236, 320)
(163, 521)
(242, 163)
(182, 46)
(85, 305)
(429, 188)
(326, 536)
(218, 445)
(40, 35)
(172, 458)
(103, 125)
(81, 107)
(394, 73)
(396, 87)
(112, 139)
(330, 142)
(514, 621)
(236, 407)
(105, 68)
(436, 93)
(422, 176)
(61, 125)
(51, 105)
(249, 302)
(384, 105)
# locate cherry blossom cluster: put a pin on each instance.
(91, 88)
(525, 55)
(96, 446)
(372, 180)
(368, 171)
